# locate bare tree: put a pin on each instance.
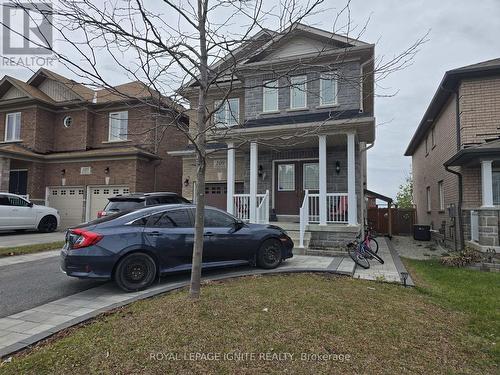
(194, 45)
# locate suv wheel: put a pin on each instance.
(47, 224)
(269, 255)
(136, 271)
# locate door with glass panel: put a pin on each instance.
(291, 180)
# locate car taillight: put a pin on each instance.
(85, 238)
(101, 214)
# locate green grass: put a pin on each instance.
(383, 328)
(474, 293)
(29, 249)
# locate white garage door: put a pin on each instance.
(99, 197)
(69, 201)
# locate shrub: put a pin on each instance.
(462, 258)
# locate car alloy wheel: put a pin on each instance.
(269, 255)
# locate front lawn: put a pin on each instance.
(271, 324)
(29, 249)
(474, 293)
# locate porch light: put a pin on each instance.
(63, 172)
(186, 182)
(337, 167)
(106, 170)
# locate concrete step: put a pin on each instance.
(326, 252)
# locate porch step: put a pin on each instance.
(295, 236)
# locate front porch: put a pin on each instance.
(313, 186)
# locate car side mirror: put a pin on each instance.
(238, 224)
(30, 204)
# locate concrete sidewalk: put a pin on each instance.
(15, 259)
(12, 239)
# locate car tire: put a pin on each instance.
(47, 224)
(269, 254)
(135, 272)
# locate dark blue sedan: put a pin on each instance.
(134, 248)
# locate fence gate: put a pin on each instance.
(402, 220)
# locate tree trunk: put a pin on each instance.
(199, 225)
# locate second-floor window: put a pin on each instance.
(328, 89)
(13, 126)
(228, 113)
(270, 96)
(298, 92)
(118, 126)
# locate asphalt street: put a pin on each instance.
(26, 285)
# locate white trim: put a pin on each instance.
(254, 159)
(230, 177)
(276, 92)
(13, 131)
(332, 77)
(292, 84)
(487, 183)
(441, 195)
(117, 115)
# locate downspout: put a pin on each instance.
(460, 178)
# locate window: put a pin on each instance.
(311, 176)
(298, 97)
(426, 145)
(496, 188)
(171, 219)
(328, 89)
(228, 114)
(286, 177)
(270, 96)
(433, 139)
(4, 201)
(428, 194)
(118, 126)
(13, 127)
(16, 201)
(217, 219)
(441, 195)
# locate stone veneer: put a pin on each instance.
(4, 174)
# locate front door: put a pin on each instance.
(18, 182)
(292, 179)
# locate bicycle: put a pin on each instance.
(360, 253)
(370, 235)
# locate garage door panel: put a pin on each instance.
(99, 197)
(69, 201)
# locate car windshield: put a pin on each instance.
(123, 205)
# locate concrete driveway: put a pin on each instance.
(12, 239)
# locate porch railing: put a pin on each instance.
(336, 208)
(242, 205)
(474, 226)
(304, 218)
(263, 209)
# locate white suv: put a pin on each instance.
(17, 213)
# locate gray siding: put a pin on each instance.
(348, 91)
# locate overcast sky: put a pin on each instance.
(462, 32)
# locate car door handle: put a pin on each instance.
(208, 234)
(155, 233)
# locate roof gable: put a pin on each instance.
(16, 89)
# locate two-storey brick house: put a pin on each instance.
(456, 158)
(71, 147)
(291, 136)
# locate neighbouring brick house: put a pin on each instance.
(71, 147)
(292, 134)
(456, 158)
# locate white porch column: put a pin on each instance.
(322, 179)
(487, 183)
(253, 181)
(352, 207)
(230, 177)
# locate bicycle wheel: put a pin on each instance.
(358, 258)
(369, 251)
(373, 245)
